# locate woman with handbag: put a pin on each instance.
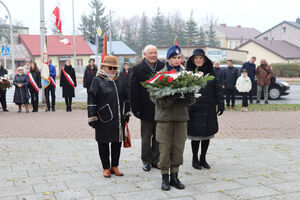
(34, 76)
(107, 114)
(21, 95)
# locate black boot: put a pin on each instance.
(203, 162)
(176, 182)
(196, 163)
(165, 185)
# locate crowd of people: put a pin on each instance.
(166, 123)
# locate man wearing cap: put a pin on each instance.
(171, 115)
(143, 107)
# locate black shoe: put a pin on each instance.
(257, 102)
(5, 110)
(204, 164)
(174, 181)
(47, 110)
(155, 166)
(266, 102)
(53, 109)
(147, 167)
(165, 185)
(196, 164)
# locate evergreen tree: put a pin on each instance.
(144, 37)
(191, 31)
(97, 18)
(211, 35)
(202, 37)
(178, 23)
(158, 29)
(170, 34)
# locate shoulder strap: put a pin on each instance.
(265, 69)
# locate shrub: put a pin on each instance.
(286, 69)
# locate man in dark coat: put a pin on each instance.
(250, 67)
(3, 92)
(229, 79)
(126, 74)
(143, 107)
(218, 72)
(51, 88)
(89, 73)
(68, 84)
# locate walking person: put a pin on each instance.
(203, 123)
(251, 68)
(89, 73)
(51, 88)
(68, 84)
(171, 115)
(106, 98)
(34, 76)
(3, 72)
(143, 107)
(21, 95)
(264, 74)
(228, 83)
(244, 86)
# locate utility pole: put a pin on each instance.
(42, 28)
(110, 45)
(74, 41)
(11, 40)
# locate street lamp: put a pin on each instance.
(11, 39)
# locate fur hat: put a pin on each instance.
(110, 61)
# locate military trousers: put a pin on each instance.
(171, 137)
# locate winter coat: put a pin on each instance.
(139, 97)
(172, 108)
(52, 71)
(229, 77)
(264, 76)
(243, 84)
(219, 74)
(2, 71)
(126, 78)
(37, 78)
(250, 70)
(22, 92)
(203, 118)
(106, 100)
(67, 89)
(88, 76)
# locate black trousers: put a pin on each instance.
(34, 99)
(68, 101)
(3, 99)
(245, 99)
(230, 95)
(49, 89)
(104, 153)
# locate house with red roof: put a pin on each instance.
(57, 50)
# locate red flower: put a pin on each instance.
(161, 78)
(170, 79)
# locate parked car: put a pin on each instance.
(280, 88)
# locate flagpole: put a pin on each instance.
(74, 41)
(110, 45)
(42, 27)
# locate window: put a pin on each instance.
(284, 29)
(265, 38)
(79, 62)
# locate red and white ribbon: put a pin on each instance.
(68, 77)
(32, 82)
(53, 82)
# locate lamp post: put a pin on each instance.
(11, 39)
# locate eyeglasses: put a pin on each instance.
(112, 68)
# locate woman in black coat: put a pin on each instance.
(89, 73)
(203, 122)
(21, 95)
(106, 112)
(34, 76)
(68, 84)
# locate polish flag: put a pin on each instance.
(65, 41)
(56, 13)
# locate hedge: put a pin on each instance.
(286, 69)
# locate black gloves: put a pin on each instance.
(220, 109)
(93, 124)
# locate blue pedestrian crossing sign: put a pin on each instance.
(121, 59)
(5, 51)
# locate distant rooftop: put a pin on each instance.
(119, 48)
(237, 32)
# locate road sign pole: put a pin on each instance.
(4, 57)
(97, 49)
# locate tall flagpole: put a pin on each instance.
(110, 45)
(74, 41)
(42, 28)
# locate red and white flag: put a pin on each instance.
(56, 13)
(65, 41)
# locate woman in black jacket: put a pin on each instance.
(34, 76)
(106, 112)
(21, 95)
(68, 84)
(89, 73)
(203, 122)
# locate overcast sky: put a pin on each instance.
(261, 14)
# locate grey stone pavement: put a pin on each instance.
(63, 169)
